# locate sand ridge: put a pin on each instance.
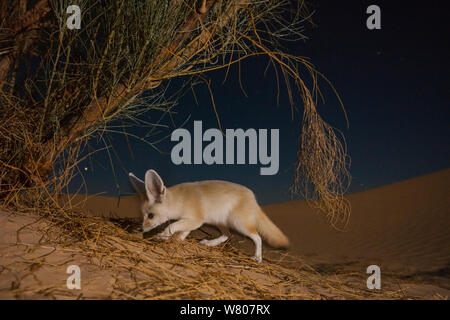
(403, 228)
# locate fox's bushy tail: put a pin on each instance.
(270, 232)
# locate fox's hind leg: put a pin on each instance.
(243, 220)
(214, 242)
(246, 226)
(252, 234)
(184, 226)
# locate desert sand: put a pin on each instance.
(404, 228)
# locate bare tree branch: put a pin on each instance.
(19, 33)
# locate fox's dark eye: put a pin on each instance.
(150, 215)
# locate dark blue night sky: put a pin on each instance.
(393, 82)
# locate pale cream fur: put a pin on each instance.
(219, 203)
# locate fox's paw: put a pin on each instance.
(207, 242)
(162, 236)
(257, 259)
(214, 242)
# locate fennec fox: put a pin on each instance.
(219, 203)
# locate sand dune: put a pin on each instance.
(403, 227)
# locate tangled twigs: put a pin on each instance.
(321, 171)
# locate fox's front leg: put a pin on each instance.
(184, 226)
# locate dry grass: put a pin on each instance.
(321, 174)
(147, 269)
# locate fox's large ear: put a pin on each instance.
(138, 185)
(154, 186)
